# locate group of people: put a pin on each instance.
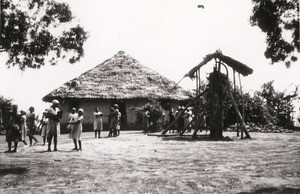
(114, 121)
(183, 120)
(19, 125)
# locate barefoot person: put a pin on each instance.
(111, 110)
(72, 116)
(30, 123)
(23, 126)
(12, 130)
(114, 119)
(54, 114)
(118, 128)
(44, 124)
(98, 124)
(76, 132)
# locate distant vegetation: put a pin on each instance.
(266, 107)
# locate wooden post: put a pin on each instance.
(243, 107)
(237, 111)
(197, 85)
(216, 104)
(234, 92)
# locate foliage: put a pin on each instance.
(4, 104)
(279, 104)
(156, 115)
(278, 19)
(35, 30)
(266, 107)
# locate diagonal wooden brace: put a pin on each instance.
(237, 111)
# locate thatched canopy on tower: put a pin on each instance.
(234, 64)
(120, 77)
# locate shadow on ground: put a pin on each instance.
(274, 190)
(13, 170)
(190, 139)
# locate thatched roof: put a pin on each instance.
(234, 64)
(120, 77)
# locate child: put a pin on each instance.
(72, 116)
(43, 125)
(76, 133)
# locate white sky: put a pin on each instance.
(169, 36)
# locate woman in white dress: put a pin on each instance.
(76, 133)
(98, 124)
(23, 127)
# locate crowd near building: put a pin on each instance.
(104, 98)
(119, 80)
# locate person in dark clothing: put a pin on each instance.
(180, 120)
(171, 119)
(114, 120)
(12, 131)
(111, 110)
(145, 120)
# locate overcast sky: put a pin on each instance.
(169, 36)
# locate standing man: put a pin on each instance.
(54, 114)
(111, 111)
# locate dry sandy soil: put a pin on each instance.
(136, 163)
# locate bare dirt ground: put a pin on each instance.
(136, 163)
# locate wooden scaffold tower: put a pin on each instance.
(218, 86)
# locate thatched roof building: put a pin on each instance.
(120, 77)
(122, 80)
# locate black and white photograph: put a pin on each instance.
(150, 96)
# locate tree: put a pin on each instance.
(265, 107)
(155, 115)
(5, 104)
(280, 21)
(279, 104)
(37, 31)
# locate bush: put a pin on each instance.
(156, 115)
(267, 108)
